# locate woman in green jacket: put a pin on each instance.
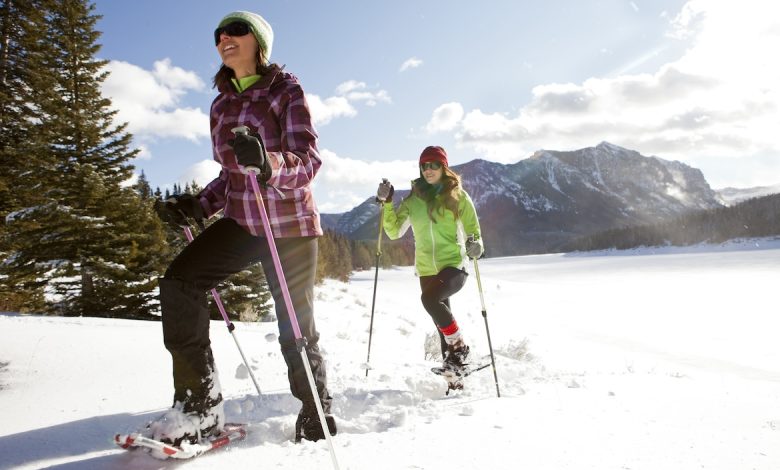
(446, 232)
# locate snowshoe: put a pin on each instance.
(455, 373)
(230, 433)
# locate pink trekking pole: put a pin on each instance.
(300, 341)
(230, 326)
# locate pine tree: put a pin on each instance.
(245, 296)
(142, 187)
(363, 255)
(334, 257)
(145, 255)
(24, 85)
(344, 259)
(98, 241)
(325, 257)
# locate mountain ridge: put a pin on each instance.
(540, 203)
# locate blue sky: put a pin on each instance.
(694, 81)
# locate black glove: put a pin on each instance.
(385, 192)
(473, 248)
(176, 210)
(250, 154)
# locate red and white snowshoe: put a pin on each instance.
(231, 432)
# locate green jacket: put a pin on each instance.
(436, 245)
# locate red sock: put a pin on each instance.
(450, 329)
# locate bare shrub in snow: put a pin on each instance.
(432, 347)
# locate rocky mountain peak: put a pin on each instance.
(542, 202)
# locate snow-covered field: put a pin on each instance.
(651, 359)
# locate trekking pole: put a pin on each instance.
(300, 341)
(484, 315)
(376, 276)
(230, 326)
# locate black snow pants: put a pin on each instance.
(436, 293)
(225, 248)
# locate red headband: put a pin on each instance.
(434, 153)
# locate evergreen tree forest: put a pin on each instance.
(339, 256)
(76, 237)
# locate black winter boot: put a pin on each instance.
(457, 355)
(308, 427)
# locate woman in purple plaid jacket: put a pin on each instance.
(259, 95)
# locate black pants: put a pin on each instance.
(436, 293)
(222, 249)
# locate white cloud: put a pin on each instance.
(324, 111)
(445, 118)
(411, 63)
(176, 78)
(352, 91)
(347, 182)
(720, 99)
(369, 98)
(130, 181)
(149, 100)
(144, 153)
(688, 22)
(349, 86)
(202, 173)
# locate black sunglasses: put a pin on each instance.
(430, 165)
(236, 28)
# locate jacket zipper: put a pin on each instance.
(433, 247)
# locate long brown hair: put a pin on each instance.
(225, 73)
(450, 191)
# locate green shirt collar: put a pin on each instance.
(243, 83)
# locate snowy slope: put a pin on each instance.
(646, 359)
(733, 196)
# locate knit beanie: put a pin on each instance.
(259, 26)
(434, 153)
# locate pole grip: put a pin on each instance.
(384, 181)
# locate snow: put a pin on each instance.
(655, 358)
(733, 196)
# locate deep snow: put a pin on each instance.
(644, 359)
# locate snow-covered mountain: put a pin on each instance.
(540, 203)
(731, 196)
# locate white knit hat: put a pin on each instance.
(259, 26)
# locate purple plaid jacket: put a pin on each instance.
(275, 108)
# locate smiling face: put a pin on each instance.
(431, 175)
(239, 53)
